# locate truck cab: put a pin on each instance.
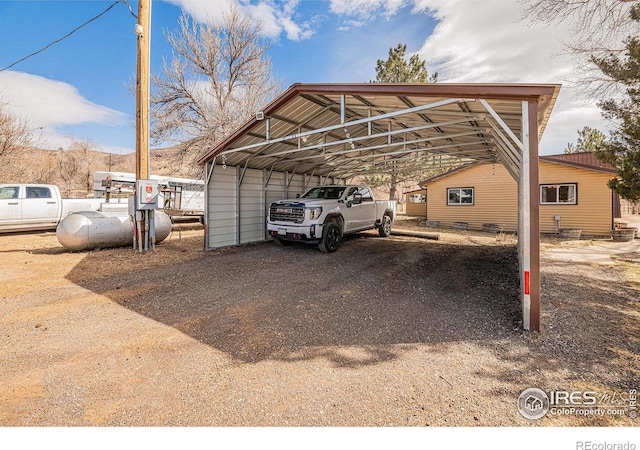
(323, 214)
(29, 206)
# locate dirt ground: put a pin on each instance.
(399, 331)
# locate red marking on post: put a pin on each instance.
(526, 283)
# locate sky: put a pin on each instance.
(80, 88)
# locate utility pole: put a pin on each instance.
(146, 197)
(143, 30)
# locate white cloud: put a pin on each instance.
(350, 24)
(275, 18)
(205, 11)
(570, 114)
(366, 8)
(51, 104)
(487, 42)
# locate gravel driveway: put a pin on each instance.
(385, 332)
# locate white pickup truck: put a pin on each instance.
(26, 207)
(324, 214)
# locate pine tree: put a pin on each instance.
(622, 150)
(589, 140)
(397, 69)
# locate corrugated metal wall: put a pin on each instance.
(222, 207)
(251, 207)
(238, 201)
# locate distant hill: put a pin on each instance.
(72, 170)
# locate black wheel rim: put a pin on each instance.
(333, 238)
(387, 225)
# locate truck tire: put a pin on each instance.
(384, 230)
(331, 238)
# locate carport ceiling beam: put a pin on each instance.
(506, 145)
(396, 145)
(504, 126)
(368, 160)
(364, 120)
(421, 161)
(508, 164)
(373, 136)
(508, 159)
(371, 169)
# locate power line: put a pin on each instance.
(69, 34)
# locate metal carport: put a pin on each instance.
(325, 133)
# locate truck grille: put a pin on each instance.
(286, 213)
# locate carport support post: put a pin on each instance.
(529, 219)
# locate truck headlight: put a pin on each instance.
(315, 212)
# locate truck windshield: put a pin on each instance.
(328, 192)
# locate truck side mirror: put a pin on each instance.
(357, 199)
(297, 195)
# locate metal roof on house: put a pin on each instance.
(343, 130)
(582, 160)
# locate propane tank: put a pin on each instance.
(88, 230)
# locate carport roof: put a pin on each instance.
(342, 130)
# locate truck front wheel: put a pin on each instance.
(331, 237)
(384, 229)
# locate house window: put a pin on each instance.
(417, 198)
(459, 196)
(562, 194)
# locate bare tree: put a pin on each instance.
(83, 178)
(67, 165)
(15, 131)
(218, 77)
(598, 28)
(75, 166)
(45, 169)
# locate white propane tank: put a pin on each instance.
(88, 230)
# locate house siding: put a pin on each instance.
(593, 212)
(415, 209)
(496, 199)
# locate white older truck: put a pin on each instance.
(25, 207)
(324, 214)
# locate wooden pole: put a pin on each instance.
(142, 90)
(144, 219)
(529, 219)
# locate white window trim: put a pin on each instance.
(473, 196)
(422, 198)
(558, 185)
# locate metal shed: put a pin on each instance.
(329, 133)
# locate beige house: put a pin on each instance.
(416, 202)
(573, 194)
